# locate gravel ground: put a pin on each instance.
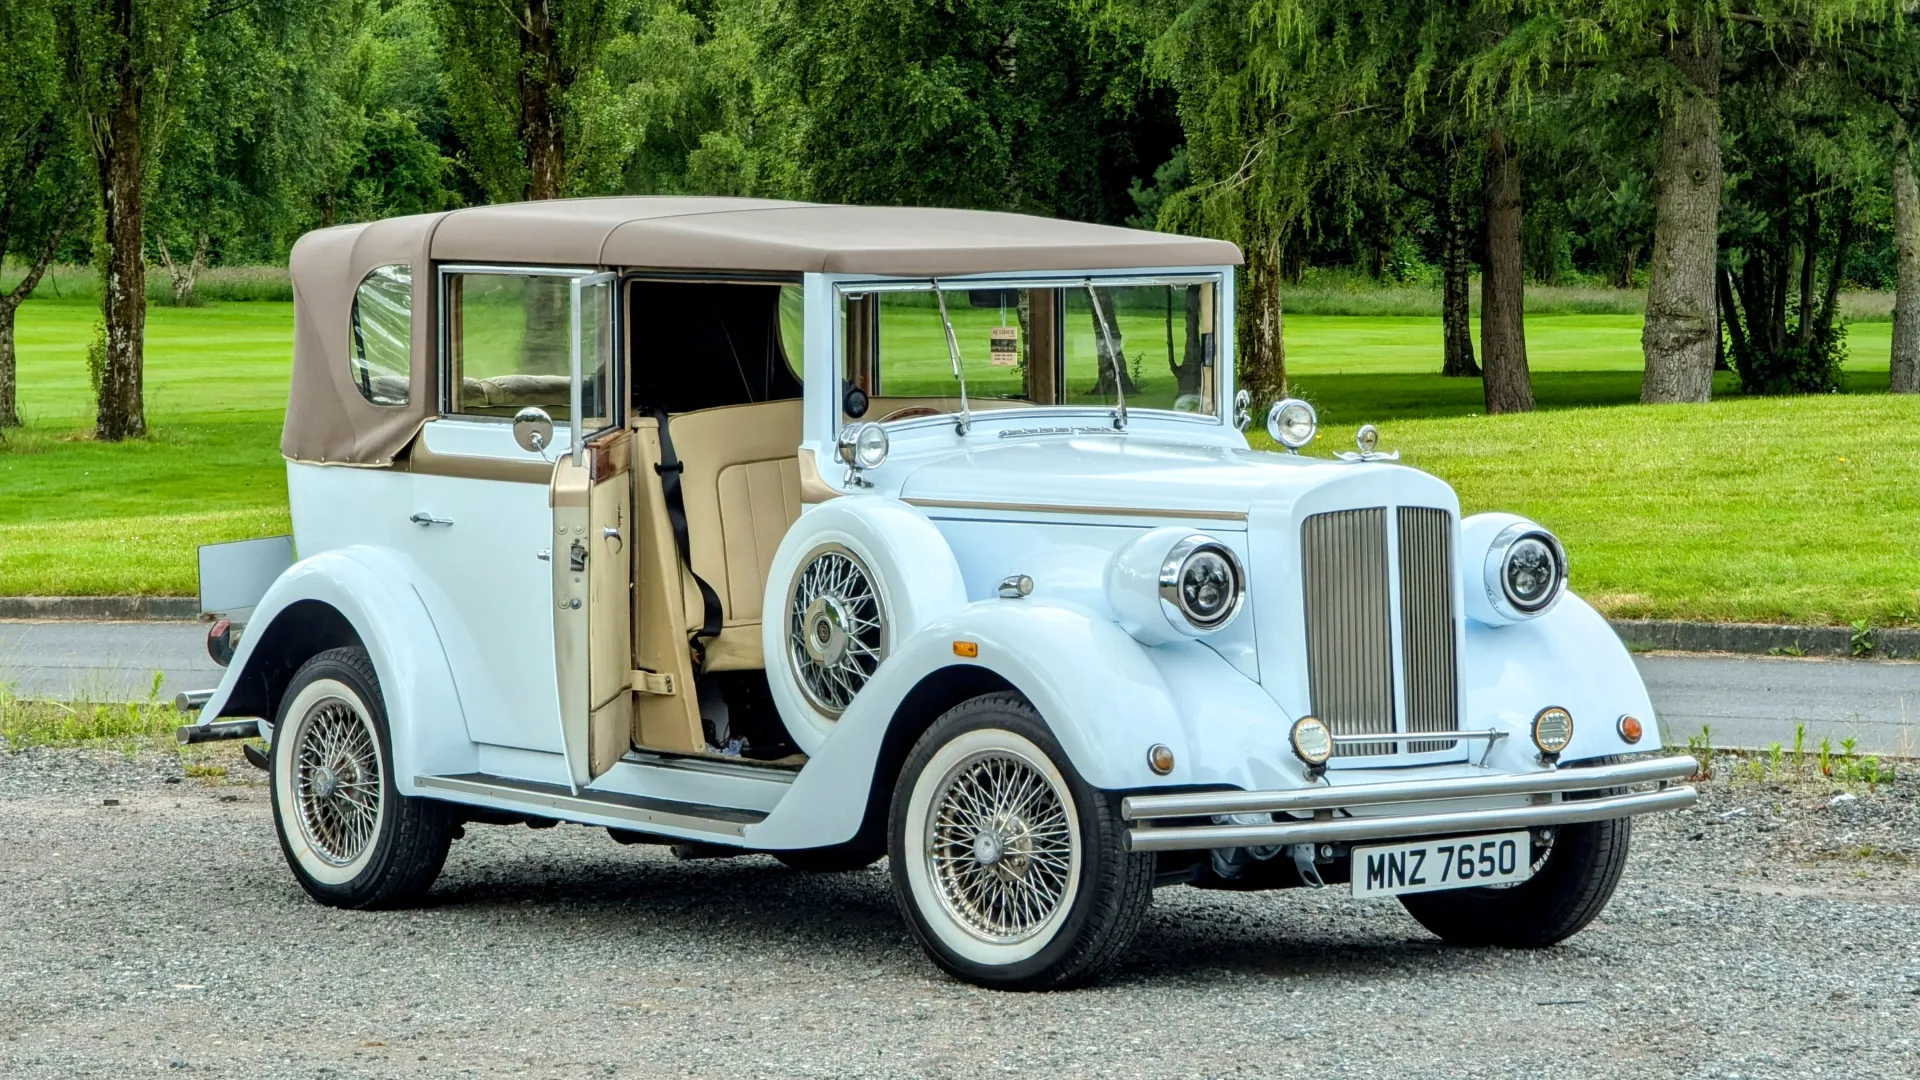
(148, 926)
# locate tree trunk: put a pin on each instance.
(1111, 363)
(1809, 264)
(1903, 372)
(9, 380)
(1456, 312)
(1193, 352)
(122, 412)
(1503, 335)
(1678, 339)
(1263, 352)
(1836, 273)
(541, 87)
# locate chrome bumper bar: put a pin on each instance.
(1322, 802)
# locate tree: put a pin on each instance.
(514, 71)
(1503, 335)
(1903, 368)
(122, 55)
(38, 169)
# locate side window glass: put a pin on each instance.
(380, 353)
(793, 329)
(509, 341)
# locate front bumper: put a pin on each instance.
(1162, 822)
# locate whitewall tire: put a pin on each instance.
(851, 579)
(1011, 871)
(351, 839)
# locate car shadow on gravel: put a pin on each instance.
(753, 903)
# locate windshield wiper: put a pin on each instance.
(965, 423)
(1114, 358)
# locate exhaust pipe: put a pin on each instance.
(187, 701)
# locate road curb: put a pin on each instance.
(1764, 639)
(100, 608)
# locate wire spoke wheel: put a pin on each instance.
(999, 846)
(836, 633)
(337, 791)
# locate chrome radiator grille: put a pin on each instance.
(1426, 624)
(1348, 592)
(1349, 655)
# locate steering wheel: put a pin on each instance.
(910, 412)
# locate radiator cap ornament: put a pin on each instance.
(1368, 440)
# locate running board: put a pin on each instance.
(632, 811)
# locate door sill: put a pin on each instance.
(780, 770)
(557, 801)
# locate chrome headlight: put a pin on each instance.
(1524, 573)
(863, 446)
(1202, 579)
(1292, 423)
(1173, 583)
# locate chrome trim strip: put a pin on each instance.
(771, 774)
(554, 800)
(1058, 508)
(1331, 830)
(1491, 735)
(1141, 807)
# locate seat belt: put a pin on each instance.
(670, 468)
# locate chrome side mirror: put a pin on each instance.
(533, 430)
(1243, 409)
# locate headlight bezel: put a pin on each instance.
(864, 446)
(1276, 429)
(1173, 570)
(1499, 590)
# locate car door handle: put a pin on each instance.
(421, 517)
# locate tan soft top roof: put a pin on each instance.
(328, 420)
(764, 235)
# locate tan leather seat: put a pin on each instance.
(741, 487)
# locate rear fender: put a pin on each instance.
(365, 596)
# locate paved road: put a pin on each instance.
(104, 661)
(1747, 701)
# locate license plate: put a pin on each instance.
(1432, 865)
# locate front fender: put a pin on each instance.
(1105, 697)
(1568, 657)
(372, 589)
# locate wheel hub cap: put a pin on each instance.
(337, 788)
(826, 631)
(836, 635)
(999, 847)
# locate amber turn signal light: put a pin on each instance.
(1160, 759)
(1630, 729)
(968, 649)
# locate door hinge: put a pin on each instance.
(653, 682)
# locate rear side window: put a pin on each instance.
(381, 352)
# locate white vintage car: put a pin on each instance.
(834, 533)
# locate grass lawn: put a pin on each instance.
(1785, 510)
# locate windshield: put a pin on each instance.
(1032, 346)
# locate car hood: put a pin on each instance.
(1149, 476)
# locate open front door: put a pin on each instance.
(592, 498)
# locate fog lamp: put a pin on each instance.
(1312, 742)
(1552, 729)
